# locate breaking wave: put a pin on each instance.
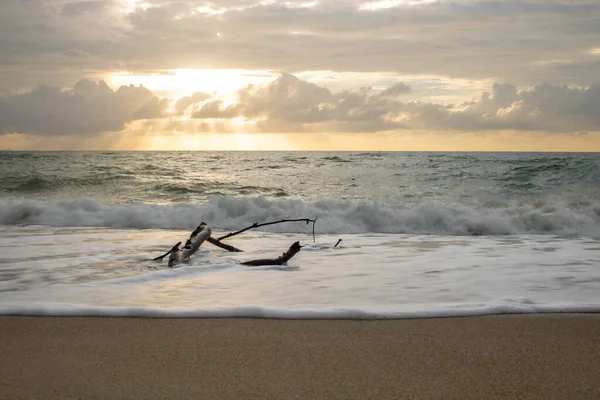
(552, 216)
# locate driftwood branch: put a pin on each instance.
(284, 258)
(218, 243)
(174, 248)
(338, 242)
(178, 256)
(257, 225)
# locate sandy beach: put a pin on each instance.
(491, 357)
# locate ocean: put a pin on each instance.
(423, 234)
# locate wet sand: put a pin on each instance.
(492, 357)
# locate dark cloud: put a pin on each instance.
(88, 108)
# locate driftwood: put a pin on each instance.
(178, 256)
(284, 258)
(257, 225)
(174, 248)
(218, 241)
(203, 233)
(227, 247)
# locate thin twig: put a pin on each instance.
(257, 225)
(174, 248)
(338, 242)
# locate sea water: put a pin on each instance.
(423, 234)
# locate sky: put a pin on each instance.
(431, 75)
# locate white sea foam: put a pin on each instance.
(446, 310)
(106, 272)
(550, 216)
(424, 234)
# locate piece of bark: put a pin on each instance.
(284, 258)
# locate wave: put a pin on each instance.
(208, 188)
(336, 159)
(550, 216)
(409, 311)
(45, 182)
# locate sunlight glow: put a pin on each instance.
(210, 10)
(185, 82)
(238, 121)
(383, 4)
(595, 51)
(216, 141)
(417, 141)
(306, 4)
(290, 4)
(129, 6)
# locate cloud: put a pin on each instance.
(289, 104)
(88, 108)
(81, 7)
(75, 53)
(396, 90)
(513, 40)
(545, 107)
(292, 105)
(184, 102)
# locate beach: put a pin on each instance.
(553, 356)
(431, 242)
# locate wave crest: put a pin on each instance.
(334, 216)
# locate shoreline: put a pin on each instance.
(474, 357)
